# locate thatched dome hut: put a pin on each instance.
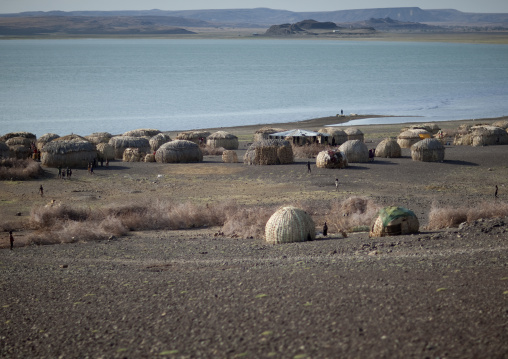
(70, 153)
(198, 137)
(222, 139)
(290, 224)
(264, 132)
(229, 156)
(48, 137)
(392, 221)
(489, 136)
(501, 123)
(408, 138)
(336, 136)
(99, 137)
(428, 150)
(388, 148)
(432, 127)
(28, 135)
(142, 132)
(179, 151)
(331, 159)
(19, 141)
(158, 140)
(354, 134)
(356, 151)
(269, 152)
(105, 151)
(4, 150)
(133, 155)
(120, 143)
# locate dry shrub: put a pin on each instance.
(17, 169)
(211, 151)
(353, 212)
(47, 216)
(247, 222)
(448, 217)
(309, 150)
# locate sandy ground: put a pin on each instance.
(189, 294)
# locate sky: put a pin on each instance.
(14, 6)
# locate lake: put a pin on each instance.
(115, 85)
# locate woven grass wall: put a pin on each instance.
(331, 159)
(142, 132)
(388, 148)
(179, 151)
(356, 151)
(406, 224)
(105, 151)
(229, 156)
(120, 143)
(269, 152)
(133, 155)
(48, 137)
(222, 139)
(158, 140)
(408, 138)
(99, 137)
(290, 224)
(489, 136)
(264, 132)
(75, 154)
(428, 150)
(354, 134)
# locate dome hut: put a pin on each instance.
(229, 156)
(120, 143)
(142, 132)
(336, 136)
(331, 159)
(4, 150)
(356, 151)
(290, 224)
(68, 153)
(408, 138)
(489, 136)
(198, 137)
(300, 137)
(431, 127)
(269, 152)
(105, 151)
(20, 152)
(48, 137)
(463, 140)
(222, 139)
(428, 150)
(133, 155)
(179, 151)
(354, 134)
(158, 140)
(150, 157)
(501, 123)
(28, 135)
(19, 141)
(392, 221)
(264, 132)
(99, 137)
(388, 148)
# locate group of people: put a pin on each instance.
(62, 173)
(36, 154)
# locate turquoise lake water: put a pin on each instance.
(115, 85)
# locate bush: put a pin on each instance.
(353, 212)
(16, 169)
(448, 217)
(310, 150)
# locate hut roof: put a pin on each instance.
(332, 131)
(47, 137)
(71, 137)
(222, 135)
(428, 144)
(394, 220)
(353, 131)
(355, 150)
(142, 132)
(290, 224)
(188, 135)
(297, 133)
(17, 134)
(389, 147)
(413, 133)
(67, 146)
(179, 151)
(268, 130)
(501, 123)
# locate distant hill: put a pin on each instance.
(264, 16)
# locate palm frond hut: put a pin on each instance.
(392, 221)
(120, 143)
(68, 153)
(105, 151)
(336, 136)
(388, 148)
(354, 134)
(408, 138)
(229, 156)
(179, 151)
(198, 137)
(269, 152)
(222, 139)
(28, 135)
(331, 159)
(290, 224)
(4, 150)
(158, 140)
(48, 137)
(501, 123)
(142, 132)
(300, 137)
(133, 155)
(356, 151)
(428, 150)
(99, 137)
(489, 136)
(264, 132)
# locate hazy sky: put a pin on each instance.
(12, 6)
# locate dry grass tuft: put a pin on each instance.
(448, 217)
(310, 150)
(15, 169)
(351, 213)
(247, 222)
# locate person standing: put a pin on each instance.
(337, 184)
(308, 167)
(41, 191)
(11, 238)
(325, 230)
(495, 193)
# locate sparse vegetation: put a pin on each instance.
(310, 150)
(448, 217)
